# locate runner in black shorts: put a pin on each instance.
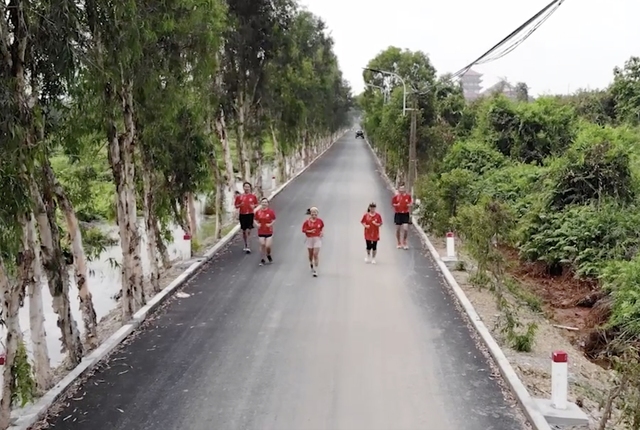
(246, 204)
(402, 204)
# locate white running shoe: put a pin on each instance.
(366, 259)
(373, 261)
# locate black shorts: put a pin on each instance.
(372, 245)
(246, 221)
(265, 235)
(402, 218)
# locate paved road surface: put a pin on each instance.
(361, 347)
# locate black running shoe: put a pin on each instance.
(270, 259)
(315, 273)
(262, 262)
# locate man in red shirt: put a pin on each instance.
(312, 228)
(371, 221)
(246, 204)
(402, 204)
(263, 220)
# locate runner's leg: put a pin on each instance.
(366, 259)
(263, 249)
(405, 234)
(268, 243)
(310, 251)
(316, 257)
(374, 251)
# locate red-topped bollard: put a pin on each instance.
(186, 246)
(559, 379)
(451, 245)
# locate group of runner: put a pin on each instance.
(254, 213)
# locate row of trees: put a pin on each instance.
(556, 179)
(179, 96)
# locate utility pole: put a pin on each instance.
(413, 137)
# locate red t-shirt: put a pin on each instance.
(313, 228)
(373, 232)
(264, 217)
(403, 201)
(246, 202)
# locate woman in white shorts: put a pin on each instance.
(312, 228)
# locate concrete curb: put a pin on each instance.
(23, 419)
(527, 404)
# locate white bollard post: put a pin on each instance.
(451, 245)
(186, 252)
(559, 379)
(273, 182)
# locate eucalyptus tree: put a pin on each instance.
(171, 94)
(308, 99)
(251, 41)
(36, 62)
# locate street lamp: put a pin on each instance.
(383, 90)
(404, 86)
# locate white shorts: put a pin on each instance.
(313, 242)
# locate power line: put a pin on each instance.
(513, 34)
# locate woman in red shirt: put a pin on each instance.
(371, 221)
(312, 228)
(263, 220)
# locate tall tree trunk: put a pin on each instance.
(217, 178)
(42, 365)
(79, 258)
(54, 265)
(193, 216)
(121, 152)
(151, 223)
(279, 157)
(258, 157)
(10, 306)
(221, 131)
(243, 156)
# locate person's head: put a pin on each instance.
(313, 212)
(237, 193)
(247, 187)
(264, 202)
(402, 189)
(372, 208)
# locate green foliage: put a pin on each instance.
(528, 132)
(24, 385)
(596, 166)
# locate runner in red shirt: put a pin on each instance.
(263, 220)
(371, 221)
(246, 204)
(402, 204)
(313, 229)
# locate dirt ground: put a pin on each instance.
(560, 322)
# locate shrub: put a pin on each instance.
(596, 166)
(583, 237)
(473, 155)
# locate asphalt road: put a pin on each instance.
(361, 347)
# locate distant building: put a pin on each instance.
(471, 84)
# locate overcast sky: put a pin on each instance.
(578, 47)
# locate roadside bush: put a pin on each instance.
(622, 280)
(585, 238)
(598, 165)
(517, 184)
(473, 155)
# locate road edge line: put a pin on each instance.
(526, 402)
(25, 418)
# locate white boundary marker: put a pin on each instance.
(528, 405)
(22, 419)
